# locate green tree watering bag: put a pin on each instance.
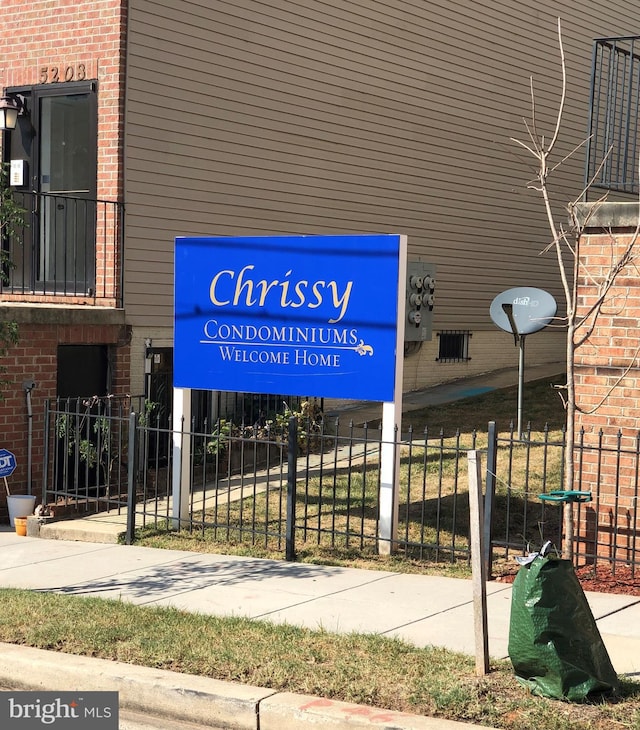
(554, 644)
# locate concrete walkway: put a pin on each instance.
(422, 610)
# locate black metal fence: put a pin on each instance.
(86, 448)
(608, 467)
(304, 485)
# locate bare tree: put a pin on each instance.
(579, 322)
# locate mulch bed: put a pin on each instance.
(603, 578)
(606, 579)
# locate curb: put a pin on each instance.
(201, 700)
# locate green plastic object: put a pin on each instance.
(565, 496)
(554, 644)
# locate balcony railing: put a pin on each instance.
(612, 146)
(67, 247)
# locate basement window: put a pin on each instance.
(453, 346)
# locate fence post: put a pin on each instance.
(131, 479)
(389, 497)
(292, 461)
(478, 571)
(489, 499)
(45, 468)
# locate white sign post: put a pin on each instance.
(181, 455)
(392, 417)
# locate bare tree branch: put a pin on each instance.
(563, 96)
(572, 269)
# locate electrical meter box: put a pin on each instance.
(420, 294)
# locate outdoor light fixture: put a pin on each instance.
(8, 113)
(10, 107)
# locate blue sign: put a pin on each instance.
(289, 315)
(7, 463)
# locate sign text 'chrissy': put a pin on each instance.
(308, 315)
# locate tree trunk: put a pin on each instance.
(568, 507)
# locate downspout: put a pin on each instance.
(28, 386)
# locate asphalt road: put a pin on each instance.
(137, 721)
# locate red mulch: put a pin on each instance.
(605, 579)
(601, 579)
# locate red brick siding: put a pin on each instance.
(81, 40)
(35, 358)
(66, 34)
(602, 363)
(603, 360)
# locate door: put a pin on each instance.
(159, 394)
(58, 142)
(83, 372)
(67, 181)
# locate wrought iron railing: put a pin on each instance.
(86, 451)
(612, 144)
(314, 485)
(68, 246)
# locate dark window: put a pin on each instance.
(83, 370)
(159, 394)
(453, 345)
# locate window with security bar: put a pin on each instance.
(453, 346)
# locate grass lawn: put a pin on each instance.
(541, 403)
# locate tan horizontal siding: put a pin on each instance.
(331, 116)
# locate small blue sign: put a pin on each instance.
(7, 463)
(289, 315)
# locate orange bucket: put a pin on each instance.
(21, 525)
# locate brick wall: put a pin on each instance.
(608, 385)
(607, 376)
(57, 41)
(54, 42)
(71, 40)
(35, 358)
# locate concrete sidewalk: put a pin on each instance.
(422, 610)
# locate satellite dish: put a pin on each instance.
(523, 310)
